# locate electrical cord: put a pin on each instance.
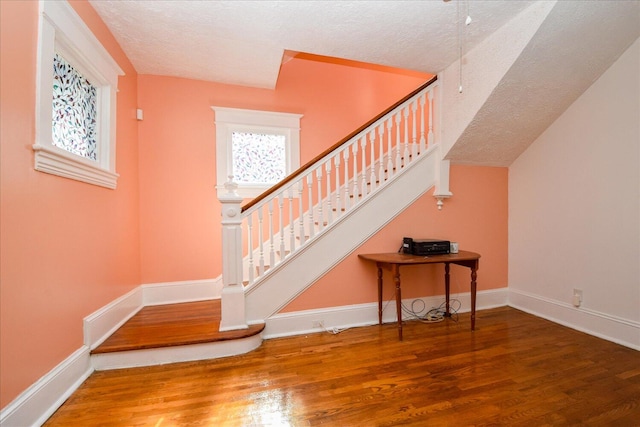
(336, 330)
(435, 314)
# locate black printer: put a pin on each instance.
(425, 246)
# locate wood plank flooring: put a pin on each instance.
(514, 370)
(173, 325)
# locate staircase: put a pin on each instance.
(278, 245)
(283, 241)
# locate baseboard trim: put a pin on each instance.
(100, 324)
(185, 291)
(165, 355)
(36, 404)
(351, 316)
(611, 328)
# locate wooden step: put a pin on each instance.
(173, 333)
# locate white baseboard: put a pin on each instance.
(350, 316)
(611, 328)
(177, 292)
(36, 404)
(100, 324)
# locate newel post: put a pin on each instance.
(233, 307)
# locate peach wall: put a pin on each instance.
(180, 233)
(475, 217)
(67, 248)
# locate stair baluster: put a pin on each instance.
(281, 225)
(380, 136)
(292, 233)
(414, 132)
(407, 154)
(356, 190)
(389, 124)
(329, 191)
(319, 181)
(430, 121)
(372, 164)
(338, 191)
(423, 145)
(398, 145)
(347, 193)
(363, 171)
(272, 249)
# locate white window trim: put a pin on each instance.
(63, 31)
(229, 120)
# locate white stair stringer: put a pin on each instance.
(290, 278)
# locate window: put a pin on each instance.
(76, 99)
(258, 158)
(259, 148)
(74, 111)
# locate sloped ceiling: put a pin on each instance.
(245, 42)
(576, 43)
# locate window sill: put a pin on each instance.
(58, 162)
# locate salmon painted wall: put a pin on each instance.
(475, 217)
(67, 248)
(180, 233)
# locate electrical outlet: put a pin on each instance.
(318, 324)
(577, 297)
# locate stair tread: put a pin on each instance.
(173, 325)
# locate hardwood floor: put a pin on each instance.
(173, 325)
(515, 369)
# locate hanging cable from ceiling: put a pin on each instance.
(461, 36)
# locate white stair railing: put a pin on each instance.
(272, 228)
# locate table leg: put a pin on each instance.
(396, 279)
(447, 289)
(474, 275)
(379, 295)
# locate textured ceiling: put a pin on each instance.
(243, 42)
(576, 43)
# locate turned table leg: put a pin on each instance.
(447, 289)
(474, 275)
(379, 295)
(396, 280)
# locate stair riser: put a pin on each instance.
(165, 355)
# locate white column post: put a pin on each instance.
(441, 191)
(233, 304)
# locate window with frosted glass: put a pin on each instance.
(74, 110)
(258, 158)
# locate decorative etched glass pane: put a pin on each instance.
(258, 158)
(74, 110)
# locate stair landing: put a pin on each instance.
(174, 333)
